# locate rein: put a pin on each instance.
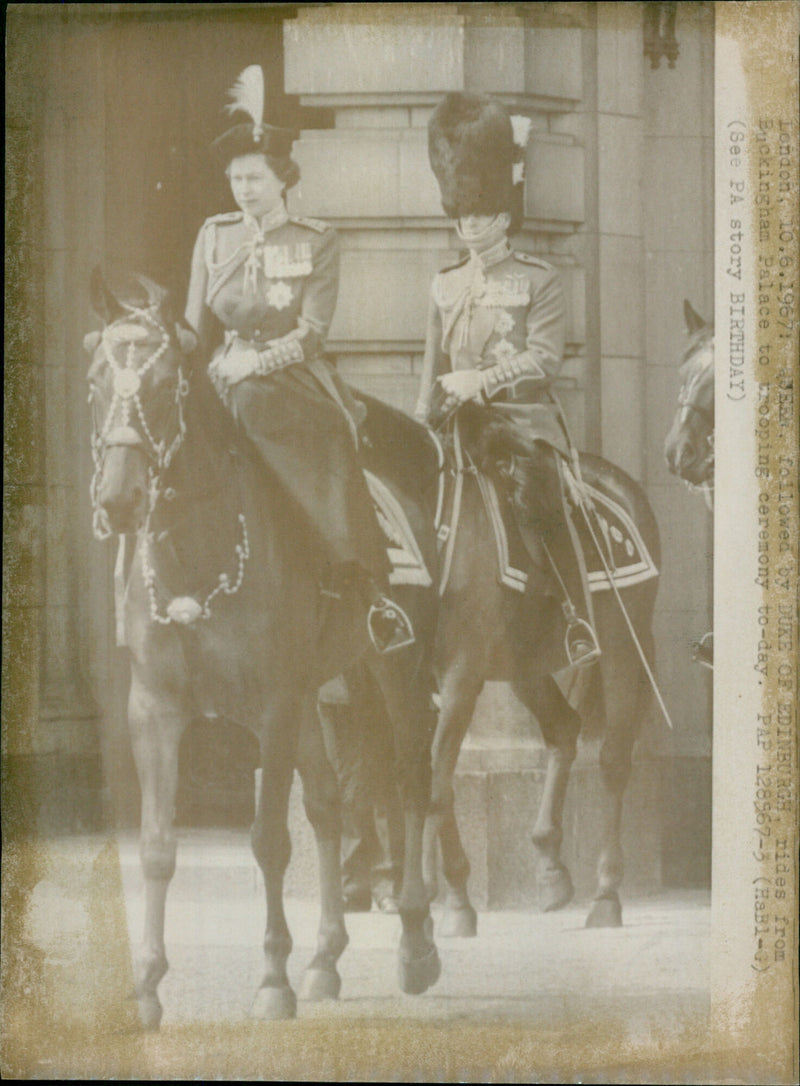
(119, 428)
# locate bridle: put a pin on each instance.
(688, 402)
(686, 396)
(126, 424)
(126, 411)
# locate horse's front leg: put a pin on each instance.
(560, 726)
(459, 692)
(322, 805)
(271, 845)
(157, 720)
(405, 687)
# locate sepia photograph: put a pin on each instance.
(400, 558)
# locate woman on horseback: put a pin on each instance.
(268, 281)
(496, 331)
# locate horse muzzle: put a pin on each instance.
(687, 461)
(122, 486)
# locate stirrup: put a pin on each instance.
(580, 640)
(703, 650)
(389, 627)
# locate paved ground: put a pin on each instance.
(528, 979)
(521, 964)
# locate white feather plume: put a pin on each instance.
(521, 129)
(248, 95)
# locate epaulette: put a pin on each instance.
(226, 216)
(529, 258)
(312, 224)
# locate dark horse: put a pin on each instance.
(224, 617)
(689, 445)
(488, 632)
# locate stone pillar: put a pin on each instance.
(24, 496)
(678, 107)
(54, 168)
(381, 71)
(69, 717)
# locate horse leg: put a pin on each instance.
(156, 722)
(459, 694)
(271, 845)
(349, 732)
(560, 726)
(627, 697)
(406, 698)
(615, 767)
(321, 801)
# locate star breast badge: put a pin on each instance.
(279, 295)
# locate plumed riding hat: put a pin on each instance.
(253, 136)
(477, 152)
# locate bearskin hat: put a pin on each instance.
(473, 153)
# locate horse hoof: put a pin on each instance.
(150, 1011)
(387, 903)
(555, 890)
(320, 984)
(459, 923)
(419, 975)
(606, 912)
(358, 901)
(274, 1004)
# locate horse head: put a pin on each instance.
(136, 388)
(689, 445)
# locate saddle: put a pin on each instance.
(536, 498)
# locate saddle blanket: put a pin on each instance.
(625, 552)
(408, 565)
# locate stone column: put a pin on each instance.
(678, 106)
(54, 166)
(24, 497)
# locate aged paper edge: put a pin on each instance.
(754, 865)
(754, 991)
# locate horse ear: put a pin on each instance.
(104, 302)
(694, 322)
(156, 294)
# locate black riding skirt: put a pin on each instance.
(305, 441)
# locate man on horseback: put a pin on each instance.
(269, 281)
(495, 335)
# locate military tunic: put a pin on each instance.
(272, 285)
(500, 312)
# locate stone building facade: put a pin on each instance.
(108, 113)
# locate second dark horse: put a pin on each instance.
(488, 632)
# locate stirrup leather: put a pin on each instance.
(389, 627)
(580, 640)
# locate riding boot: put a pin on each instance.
(542, 517)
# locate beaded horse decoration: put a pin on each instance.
(131, 348)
